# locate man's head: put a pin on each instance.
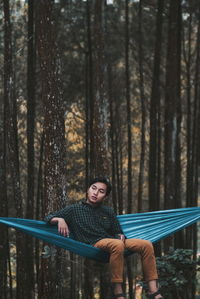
(98, 189)
(103, 180)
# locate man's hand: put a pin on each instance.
(122, 237)
(62, 226)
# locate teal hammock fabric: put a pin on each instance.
(152, 226)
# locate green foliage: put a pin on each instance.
(49, 251)
(177, 273)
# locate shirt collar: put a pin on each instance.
(88, 205)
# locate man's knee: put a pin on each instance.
(118, 246)
(148, 245)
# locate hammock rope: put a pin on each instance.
(152, 226)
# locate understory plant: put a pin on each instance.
(178, 274)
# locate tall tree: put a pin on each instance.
(54, 130)
(129, 129)
(193, 146)
(114, 147)
(128, 106)
(30, 137)
(100, 164)
(188, 57)
(11, 131)
(173, 109)
(155, 126)
(89, 87)
(143, 106)
(191, 112)
(3, 205)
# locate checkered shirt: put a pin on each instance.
(89, 224)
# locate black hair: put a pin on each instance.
(103, 180)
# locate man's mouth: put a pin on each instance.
(94, 197)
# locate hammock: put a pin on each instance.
(152, 226)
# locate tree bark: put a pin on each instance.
(89, 96)
(4, 246)
(12, 145)
(31, 61)
(100, 164)
(54, 131)
(155, 125)
(173, 110)
(143, 109)
(128, 108)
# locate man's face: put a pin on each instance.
(96, 193)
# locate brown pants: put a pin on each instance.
(116, 249)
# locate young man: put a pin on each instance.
(93, 223)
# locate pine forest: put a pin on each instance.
(94, 88)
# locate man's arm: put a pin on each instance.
(63, 228)
(116, 227)
(61, 218)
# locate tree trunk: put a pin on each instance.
(173, 110)
(190, 129)
(128, 108)
(195, 150)
(89, 97)
(54, 131)
(143, 109)
(39, 211)
(12, 145)
(30, 140)
(155, 126)
(100, 164)
(4, 246)
(113, 138)
(88, 279)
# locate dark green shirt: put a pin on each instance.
(89, 224)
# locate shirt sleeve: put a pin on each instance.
(116, 227)
(63, 213)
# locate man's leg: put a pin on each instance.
(146, 251)
(116, 249)
(116, 262)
